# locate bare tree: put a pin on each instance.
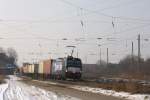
(12, 54)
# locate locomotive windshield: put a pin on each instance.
(74, 63)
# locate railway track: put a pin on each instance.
(68, 87)
(83, 82)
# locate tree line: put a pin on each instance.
(128, 67)
(8, 58)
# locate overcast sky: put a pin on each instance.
(35, 28)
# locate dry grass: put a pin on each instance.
(126, 87)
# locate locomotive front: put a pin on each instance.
(73, 68)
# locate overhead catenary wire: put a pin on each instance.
(45, 38)
(103, 14)
(78, 7)
(130, 2)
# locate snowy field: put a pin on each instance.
(113, 93)
(15, 90)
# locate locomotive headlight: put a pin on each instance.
(66, 70)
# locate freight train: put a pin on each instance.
(60, 68)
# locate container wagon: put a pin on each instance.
(60, 68)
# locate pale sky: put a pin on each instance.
(35, 28)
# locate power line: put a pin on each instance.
(66, 21)
(118, 5)
(103, 14)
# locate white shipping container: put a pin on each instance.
(40, 69)
(32, 68)
(58, 67)
(29, 68)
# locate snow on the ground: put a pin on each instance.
(113, 93)
(104, 91)
(3, 88)
(15, 90)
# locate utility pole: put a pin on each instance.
(100, 58)
(100, 50)
(132, 48)
(100, 55)
(132, 58)
(139, 52)
(132, 53)
(107, 57)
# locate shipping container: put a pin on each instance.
(53, 66)
(58, 68)
(40, 69)
(47, 67)
(36, 66)
(35, 71)
(20, 70)
(30, 68)
(25, 69)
